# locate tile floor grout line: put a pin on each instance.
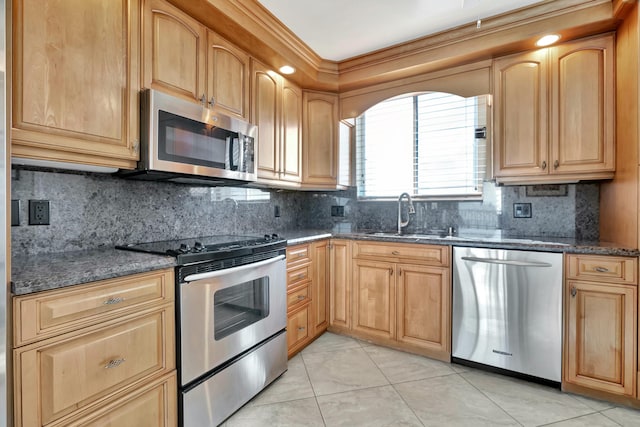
(572, 418)
(607, 417)
(490, 399)
(407, 403)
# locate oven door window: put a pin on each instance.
(239, 306)
(191, 142)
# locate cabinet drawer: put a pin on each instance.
(297, 297)
(298, 275)
(298, 254)
(429, 254)
(47, 314)
(69, 372)
(154, 405)
(297, 327)
(600, 268)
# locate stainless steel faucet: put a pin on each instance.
(411, 210)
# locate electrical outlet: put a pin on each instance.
(15, 212)
(337, 210)
(276, 211)
(522, 210)
(38, 212)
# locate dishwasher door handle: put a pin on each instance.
(507, 262)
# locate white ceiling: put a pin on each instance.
(341, 29)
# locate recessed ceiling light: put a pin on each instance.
(547, 40)
(287, 69)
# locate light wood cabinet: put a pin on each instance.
(374, 298)
(340, 284)
(277, 111)
(554, 113)
(320, 281)
(600, 337)
(84, 357)
(76, 81)
(320, 139)
(184, 58)
(402, 296)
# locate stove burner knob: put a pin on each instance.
(198, 247)
(184, 248)
(274, 236)
(267, 237)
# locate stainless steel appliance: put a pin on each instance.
(185, 142)
(231, 321)
(507, 310)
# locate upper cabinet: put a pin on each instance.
(320, 148)
(276, 108)
(184, 58)
(75, 81)
(554, 113)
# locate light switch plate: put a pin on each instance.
(522, 210)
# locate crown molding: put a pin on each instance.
(254, 29)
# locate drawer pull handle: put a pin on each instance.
(395, 253)
(301, 297)
(114, 363)
(544, 165)
(113, 300)
(574, 291)
(601, 269)
(301, 276)
(299, 255)
(391, 272)
(301, 328)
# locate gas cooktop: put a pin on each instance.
(209, 248)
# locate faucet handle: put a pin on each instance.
(412, 210)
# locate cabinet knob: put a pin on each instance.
(301, 297)
(391, 272)
(395, 253)
(203, 100)
(399, 272)
(212, 101)
(301, 276)
(556, 164)
(544, 164)
(574, 291)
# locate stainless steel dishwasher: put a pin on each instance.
(507, 310)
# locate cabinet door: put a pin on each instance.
(374, 298)
(582, 108)
(297, 329)
(340, 284)
(265, 113)
(320, 285)
(227, 76)
(600, 337)
(75, 81)
(424, 300)
(174, 51)
(520, 119)
(291, 153)
(320, 140)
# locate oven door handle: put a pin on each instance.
(225, 271)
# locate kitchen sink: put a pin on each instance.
(415, 236)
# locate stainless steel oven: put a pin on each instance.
(231, 319)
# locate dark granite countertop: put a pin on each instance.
(34, 273)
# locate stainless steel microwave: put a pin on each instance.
(185, 142)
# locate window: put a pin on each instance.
(425, 145)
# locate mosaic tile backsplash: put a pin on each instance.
(96, 210)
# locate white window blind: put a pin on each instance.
(424, 144)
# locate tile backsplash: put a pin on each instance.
(91, 210)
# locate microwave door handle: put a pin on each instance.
(225, 271)
(232, 142)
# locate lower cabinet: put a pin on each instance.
(340, 284)
(600, 320)
(307, 293)
(400, 295)
(118, 365)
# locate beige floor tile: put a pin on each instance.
(399, 366)
(598, 405)
(379, 406)
(331, 342)
(451, 401)
(624, 416)
(292, 385)
(297, 413)
(342, 370)
(592, 420)
(529, 403)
